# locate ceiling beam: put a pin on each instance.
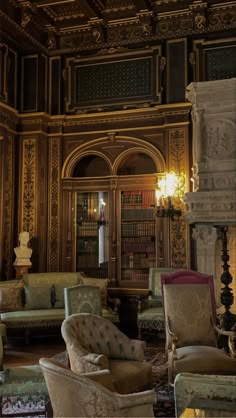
(87, 9)
(46, 3)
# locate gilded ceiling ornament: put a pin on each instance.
(200, 21)
(26, 18)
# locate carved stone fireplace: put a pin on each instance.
(213, 199)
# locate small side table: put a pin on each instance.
(24, 393)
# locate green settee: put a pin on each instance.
(34, 305)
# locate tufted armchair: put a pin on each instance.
(94, 343)
(190, 322)
(75, 395)
(150, 312)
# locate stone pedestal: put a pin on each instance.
(213, 200)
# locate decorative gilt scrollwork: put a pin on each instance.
(178, 228)
(28, 186)
(54, 194)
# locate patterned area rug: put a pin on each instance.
(165, 399)
(164, 406)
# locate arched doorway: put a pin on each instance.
(102, 188)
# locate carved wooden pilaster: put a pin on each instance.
(28, 199)
(178, 149)
(205, 237)
(54, 197)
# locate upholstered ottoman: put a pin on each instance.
(24, 392)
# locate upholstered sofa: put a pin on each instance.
(34, 305)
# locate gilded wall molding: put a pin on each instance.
(54, 197)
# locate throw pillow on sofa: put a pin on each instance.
(101, 283)
(37, 298)
(58, 296)
(11, 298)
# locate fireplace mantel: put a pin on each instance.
(213, 199)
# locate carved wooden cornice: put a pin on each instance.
(66, 27)
(8, 117)
(157, 116)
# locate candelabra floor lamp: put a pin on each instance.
(227, 297)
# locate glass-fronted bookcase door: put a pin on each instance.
(92, 244)
(138, 232)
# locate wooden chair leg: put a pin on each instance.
(48, 410)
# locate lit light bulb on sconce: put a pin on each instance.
(101, 220)
(166, 189)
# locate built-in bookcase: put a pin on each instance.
(138, 237)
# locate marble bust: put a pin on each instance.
(23, 252)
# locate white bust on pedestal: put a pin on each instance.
(23, 252)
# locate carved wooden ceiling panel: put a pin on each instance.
(85, 26)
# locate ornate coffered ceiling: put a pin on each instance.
(65, 26)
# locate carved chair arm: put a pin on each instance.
(99, 360)
(173, 337)
(231, 339)
(134, 399)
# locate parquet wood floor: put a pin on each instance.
(20, 354)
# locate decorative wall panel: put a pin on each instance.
(55, 85)
(29, 84)
(214, 60)
(3, 71)
(12, 78)
(179, 163)
(8, 207)
(122, 78)
(221, 63)
(176, 70)
(54, 195)
(28, 211)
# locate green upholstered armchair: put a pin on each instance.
(94, 343)
(74, 395)
(82, 298)
(90, 298)
(150, 313)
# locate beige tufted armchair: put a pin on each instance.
(94, 343)
(75, 395)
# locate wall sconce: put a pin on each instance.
(165, 191)
(101, 220)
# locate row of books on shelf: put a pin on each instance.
(137, 260)
(145, 197)
(142, 214)
(138, 229)
(87, 246)
(88, 229)
(87, 260)
(134, 275)
(143, 245)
